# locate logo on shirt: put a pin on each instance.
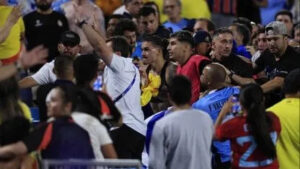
(59, 23)
(38, 23)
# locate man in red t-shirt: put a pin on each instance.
(180, 49)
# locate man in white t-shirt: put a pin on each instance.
(122, 83)
(68, 46)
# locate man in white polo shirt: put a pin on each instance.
(122, 81)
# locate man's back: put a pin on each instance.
(182, 140)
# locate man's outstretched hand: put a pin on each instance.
(37, 55)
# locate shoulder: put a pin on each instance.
(199, 58)
(29, 15)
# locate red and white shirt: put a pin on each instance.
(244, 147)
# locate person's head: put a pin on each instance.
(244, 21)
(202, 41)
(86, 70)
(276, 33)
(111, 24)
(9, 94)
(212, 77)
(291, 85)
(180, 90)
(180, 46)
(203, 24)
(154, 49)
(153, 5)
(69, 44)
(241, 33)
(297, 33)
(262, 41)
(128, 29)
(63, 68)
(222, 42)
(149, 20)
(43, 5)
(172, 8)
(133, 6)
(119, 45)
(60, 101)
(259, 123)
(287, 18)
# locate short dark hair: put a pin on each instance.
(222, 30)
(146, 11)
(85, 69)
(180, 90)
(284, 12)
(184, 36)
(210, 25)
(151, 3)
(60, 65)
(243, 30)
(116, 16)
(120, 44)
(159, 42)
(68, 95)
(124, 25)
(244, 21)
(292, 82)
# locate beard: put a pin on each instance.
(44, 7)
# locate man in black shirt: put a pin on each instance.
(148, 18)
(277, 61)
(44, 26)
(222, 53)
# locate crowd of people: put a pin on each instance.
(155, 81)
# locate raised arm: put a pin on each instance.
(10, 22)
(98, 43)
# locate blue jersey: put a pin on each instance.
(212, 104)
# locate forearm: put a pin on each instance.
(4, 31)
(27, 82)
(242, 80)
(7, 71)
(98, 43)
(108, 151)
(16, 149)
(273, 84)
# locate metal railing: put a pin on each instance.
(92, 164)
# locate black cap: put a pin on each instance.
(70, 38)
(202, 36)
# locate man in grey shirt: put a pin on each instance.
(181, 140)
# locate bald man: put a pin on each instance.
(217, 93)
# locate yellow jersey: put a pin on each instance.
(190, 9)
(12, 45)
(288, 145)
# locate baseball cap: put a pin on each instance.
(70, 38)
(276, 28)
(202, 36)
